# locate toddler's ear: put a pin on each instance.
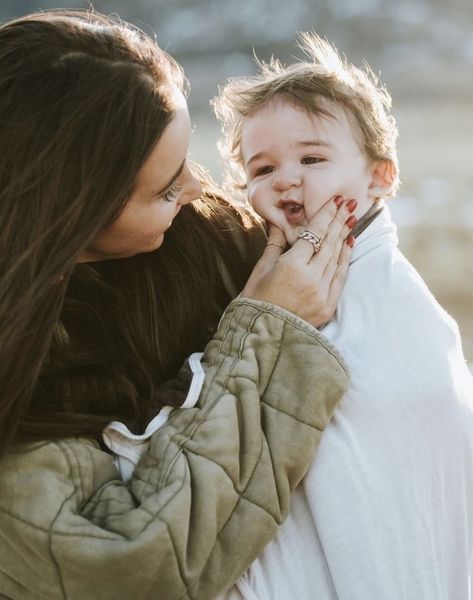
(383, 176)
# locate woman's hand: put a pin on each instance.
(307, 284)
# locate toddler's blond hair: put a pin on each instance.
(308, 84)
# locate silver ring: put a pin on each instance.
(312, 238)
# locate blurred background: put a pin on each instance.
(423, 52)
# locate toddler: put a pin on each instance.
(386, 509)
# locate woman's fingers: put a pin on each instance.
(301, 281)
(336, 237)
(275, 246)
(335, 259)
(338, 230)
(276, 238)
(333, 280)
(319, 225)
(339, 276)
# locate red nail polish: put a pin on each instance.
(338, 201)
(352, 204)
(351, 240)
(351, 221)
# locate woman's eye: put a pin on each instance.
(311, 160)
(263, 170)
(173, 193)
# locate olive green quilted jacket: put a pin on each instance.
(206, 497)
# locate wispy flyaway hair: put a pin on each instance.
(322, 76)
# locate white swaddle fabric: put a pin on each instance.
(386, 509)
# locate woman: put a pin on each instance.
(97, 313)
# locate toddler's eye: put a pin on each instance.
(173, 192)
(311, 160)
(263, 170)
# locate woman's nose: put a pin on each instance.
(286, 181)
(192, 190)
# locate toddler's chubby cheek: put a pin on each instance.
(266, 210)
(262, 207)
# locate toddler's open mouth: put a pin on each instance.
(293, 211)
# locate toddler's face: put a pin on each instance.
(296, 161)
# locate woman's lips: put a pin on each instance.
(293, 211)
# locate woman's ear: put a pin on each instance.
(383, 177)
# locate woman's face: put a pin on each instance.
(163, 185)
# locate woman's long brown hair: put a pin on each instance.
(83, 101)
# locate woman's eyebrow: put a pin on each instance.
(173, 179)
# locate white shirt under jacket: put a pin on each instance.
(386, 510)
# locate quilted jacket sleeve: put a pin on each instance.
(203, 501)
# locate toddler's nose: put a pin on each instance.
(286, 181)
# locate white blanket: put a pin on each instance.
(386, 510)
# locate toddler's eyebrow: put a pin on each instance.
(322, 143)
